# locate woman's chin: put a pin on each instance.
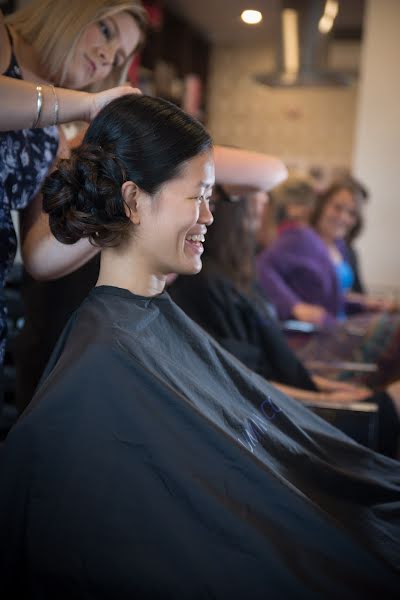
(192, 269)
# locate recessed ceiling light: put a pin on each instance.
(251, 17)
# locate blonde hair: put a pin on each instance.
(53, 27)
(296, 189)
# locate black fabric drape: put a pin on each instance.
(152, 464)
(241, 325)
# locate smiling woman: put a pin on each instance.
(106, 192)
(90, 43)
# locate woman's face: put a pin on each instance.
(339, 215)
(174, 223)
(300, 213)
(102, 46)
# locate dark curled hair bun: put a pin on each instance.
(83, 198)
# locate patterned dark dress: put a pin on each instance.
(25, 158)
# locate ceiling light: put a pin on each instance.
(290, 40)
(326, 21)
(251, 17)
(331, 8)
(325, 24)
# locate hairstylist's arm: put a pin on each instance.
(44, 257)
(19, 103)
(248, 169)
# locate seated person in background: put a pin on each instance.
(306, 276)
(351, 254)
(151, 463)
(290, 204)
(337, 212)
(293, 203)
(304, 272)
(225, 300)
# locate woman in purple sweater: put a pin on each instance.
(305, 271)
(306, 275)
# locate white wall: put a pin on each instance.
(377, 142)
(304, 126)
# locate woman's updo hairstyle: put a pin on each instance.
(135, 138)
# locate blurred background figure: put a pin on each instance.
(307, 275)
(354, 232)
(288, 266)
(291, 203)
(306, 271)
(337, 219)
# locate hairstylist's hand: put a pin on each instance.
(311, 313)
(99, 100)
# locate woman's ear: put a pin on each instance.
(131, 194)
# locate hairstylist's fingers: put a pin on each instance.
(101, 99)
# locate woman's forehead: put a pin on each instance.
(126, 30)
(200, 170)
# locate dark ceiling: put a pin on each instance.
(219, 20)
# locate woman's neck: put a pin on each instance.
(331, 245)
(129, 272)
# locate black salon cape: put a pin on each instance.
(153, 464)
(241, 324)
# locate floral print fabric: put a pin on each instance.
(25, 158)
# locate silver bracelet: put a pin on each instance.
(56, 105)
(39, 105)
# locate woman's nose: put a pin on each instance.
(205, 215)
(106, 55)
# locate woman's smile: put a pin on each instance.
(194, 243)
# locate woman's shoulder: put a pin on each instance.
(5, 46)
(295, 240)
(303, 233)
(304, 241)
